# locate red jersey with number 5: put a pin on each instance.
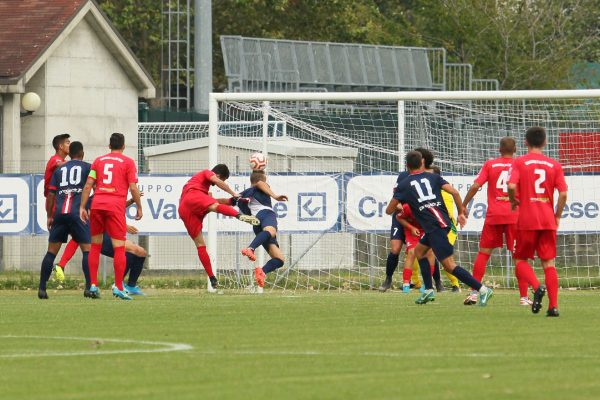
(113, 173)
(495, 173)
(536, 177)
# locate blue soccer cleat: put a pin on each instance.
(93, 292)
(406, 288)
(121, 294)
(133, 290)
(485, 294)
(425, 297)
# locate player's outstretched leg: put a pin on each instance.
(69, 252)
(485, 293)
(260, 239)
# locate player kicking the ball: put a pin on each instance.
(535, 177)
(422, 191)
(259, 204)
(195, 203)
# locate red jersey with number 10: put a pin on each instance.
(113, 173)
(536, 177)
(495, 173)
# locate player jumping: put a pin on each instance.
(259, 204)
(195, 203)
(535, 177)
(422, 191)
(113, 175)
(63, 200)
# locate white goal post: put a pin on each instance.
(356, 142)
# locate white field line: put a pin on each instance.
(163, 347)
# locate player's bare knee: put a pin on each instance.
(272, 231)
(395, 246)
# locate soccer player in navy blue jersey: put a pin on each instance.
(422, 191)
(62, 209)
(256, 200)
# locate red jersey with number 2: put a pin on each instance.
(113, 173)
(495, 173)
(536, 177)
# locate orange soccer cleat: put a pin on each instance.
(259, 276)
(248, 252)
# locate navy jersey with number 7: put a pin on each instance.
(422, 191)
(67, 183)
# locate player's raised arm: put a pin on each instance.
(392, 206)
(462, 219)
(222, 185)
(264, 187)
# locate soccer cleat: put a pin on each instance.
(439, 287)
(93, 292)
(552, 312)
(386, 285)
(471, 299)
(485, 296)
(59, 273)
(421, 289)
(133, 290)
(538, 295)
(249, 219)
(42, 295)
(525, 301)
(455, 289)
(259, 277)
(214, 283)
(425, 297)
(120, 293)
(249, 252)
(406, 288)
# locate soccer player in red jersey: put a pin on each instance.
(500, 220)
(196, 202)
(112, 176)
(535, 177)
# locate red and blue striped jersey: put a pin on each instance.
(422, 191)
(67, 184)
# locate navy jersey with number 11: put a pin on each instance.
(67, 183)
(422, 191)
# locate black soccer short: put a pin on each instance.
(69, 224)
(266, 218)
(397, 231)
(439, 243)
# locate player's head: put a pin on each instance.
(222, 171)
(535, 137)
(61, 143)
(257, 176)
(76, 151)
(508, 146)
(436, 169)
(117, 141)
(427, 156)
(414, 160)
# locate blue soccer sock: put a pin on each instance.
(130, 260)
(272, 265)
(436, 271)
(465, 277)
(85, 267)
(136, 271)
(426, 273)
(46, 269)
(391, 264)
(260, 239)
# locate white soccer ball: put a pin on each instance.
(258, 162)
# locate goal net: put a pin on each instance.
(336, 156)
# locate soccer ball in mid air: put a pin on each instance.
(258, 162)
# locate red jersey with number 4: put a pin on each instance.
(51, 166)
(199, 182)
(495, 173)
(113, 173)
(536, 177)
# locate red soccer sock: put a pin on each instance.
(205, 260)
(480, 264)
(523, 287)
(227, 210)
(552, 286)
(524, 272)
(406, 275)
(69, 252)
(120, 261)
(93, 261)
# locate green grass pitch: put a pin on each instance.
(344, 345)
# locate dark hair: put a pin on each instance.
(535, 136)
(258, 176)
(76, 150)
(222, 170)
(436, 169)
(413, 160)
(117, 141)
(59, 139)
(427, 156)
(508, 145)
